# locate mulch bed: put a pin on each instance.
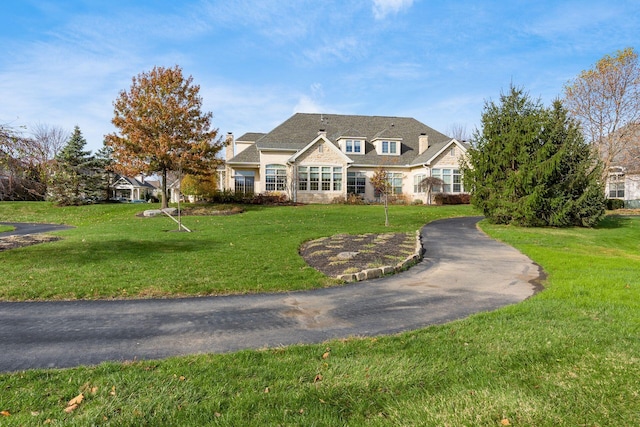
(345, 253)
(13, 242)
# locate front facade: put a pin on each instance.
(317, 158)
(131, 189)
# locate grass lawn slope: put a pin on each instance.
(569, 356)
(115, 254)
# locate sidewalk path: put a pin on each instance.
(463, 272)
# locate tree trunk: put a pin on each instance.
(386, 210)
(165, 202)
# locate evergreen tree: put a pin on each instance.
(75, 173)
(104, 163)
(531, 166)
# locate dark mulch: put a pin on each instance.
(345, 253)
(13, 242)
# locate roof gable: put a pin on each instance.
(328, 143)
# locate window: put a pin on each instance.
(319, 178)
(418, 186)
(389, 147)
(275, 178)
(395, 180)
(244, 182)
(353, 146)
(356, 182)
(452, 181)
(452, 152)
(616, 186)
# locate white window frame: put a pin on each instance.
(356, 182)
(354, 146)
(388, 147)
(275, 177)
(418, 187)
(452, 180)
(616, 186)
(319, 178)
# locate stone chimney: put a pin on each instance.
(322, 132)
(229, 146)
(423, 143)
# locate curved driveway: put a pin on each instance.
(24, 228)
(463, 272)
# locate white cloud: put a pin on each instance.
(382, 8)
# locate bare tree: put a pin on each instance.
(20, 177)
(606, 102)
(48, 140)
(458, 131)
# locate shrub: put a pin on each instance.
(269, 199)
(613, 204)
(417, 202)
(451, 199)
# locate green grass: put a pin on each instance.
(113, 253)
(570, 356)
(4, 228)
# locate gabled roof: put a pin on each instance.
(249, 155)
(250, 137)
(435, 150)
(331, 146)
(132, 182)
(301, 129)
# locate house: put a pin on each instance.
(316, 158)
(623, 181)
(132, 189)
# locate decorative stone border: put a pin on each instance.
(374, 273)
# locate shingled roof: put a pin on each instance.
(300, 129)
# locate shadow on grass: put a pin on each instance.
(614, 221)
(121, 249)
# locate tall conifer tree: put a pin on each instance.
(531, 166)
(74, 179)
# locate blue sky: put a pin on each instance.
(257, 62)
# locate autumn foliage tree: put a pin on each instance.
(162, 128)
(382, 185)
(606, 101)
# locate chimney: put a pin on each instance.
(423, 143)
(322, 132)
(229, 146)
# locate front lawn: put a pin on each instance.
(569, 356)
(115, 254)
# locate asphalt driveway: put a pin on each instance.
(464, 272)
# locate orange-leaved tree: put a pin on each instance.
(162, 128)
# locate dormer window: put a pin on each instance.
(389, 147)
(354, 146)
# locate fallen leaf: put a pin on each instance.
(317, 378)
(326, 354)
(71, 408)
(113, 391)
(94, 390)
(5, 413)
(217, 414)
(76, 400)
(505, 422)
(266, 390)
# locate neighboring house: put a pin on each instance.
(623, 181)
(132, 189)
(315, 158)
